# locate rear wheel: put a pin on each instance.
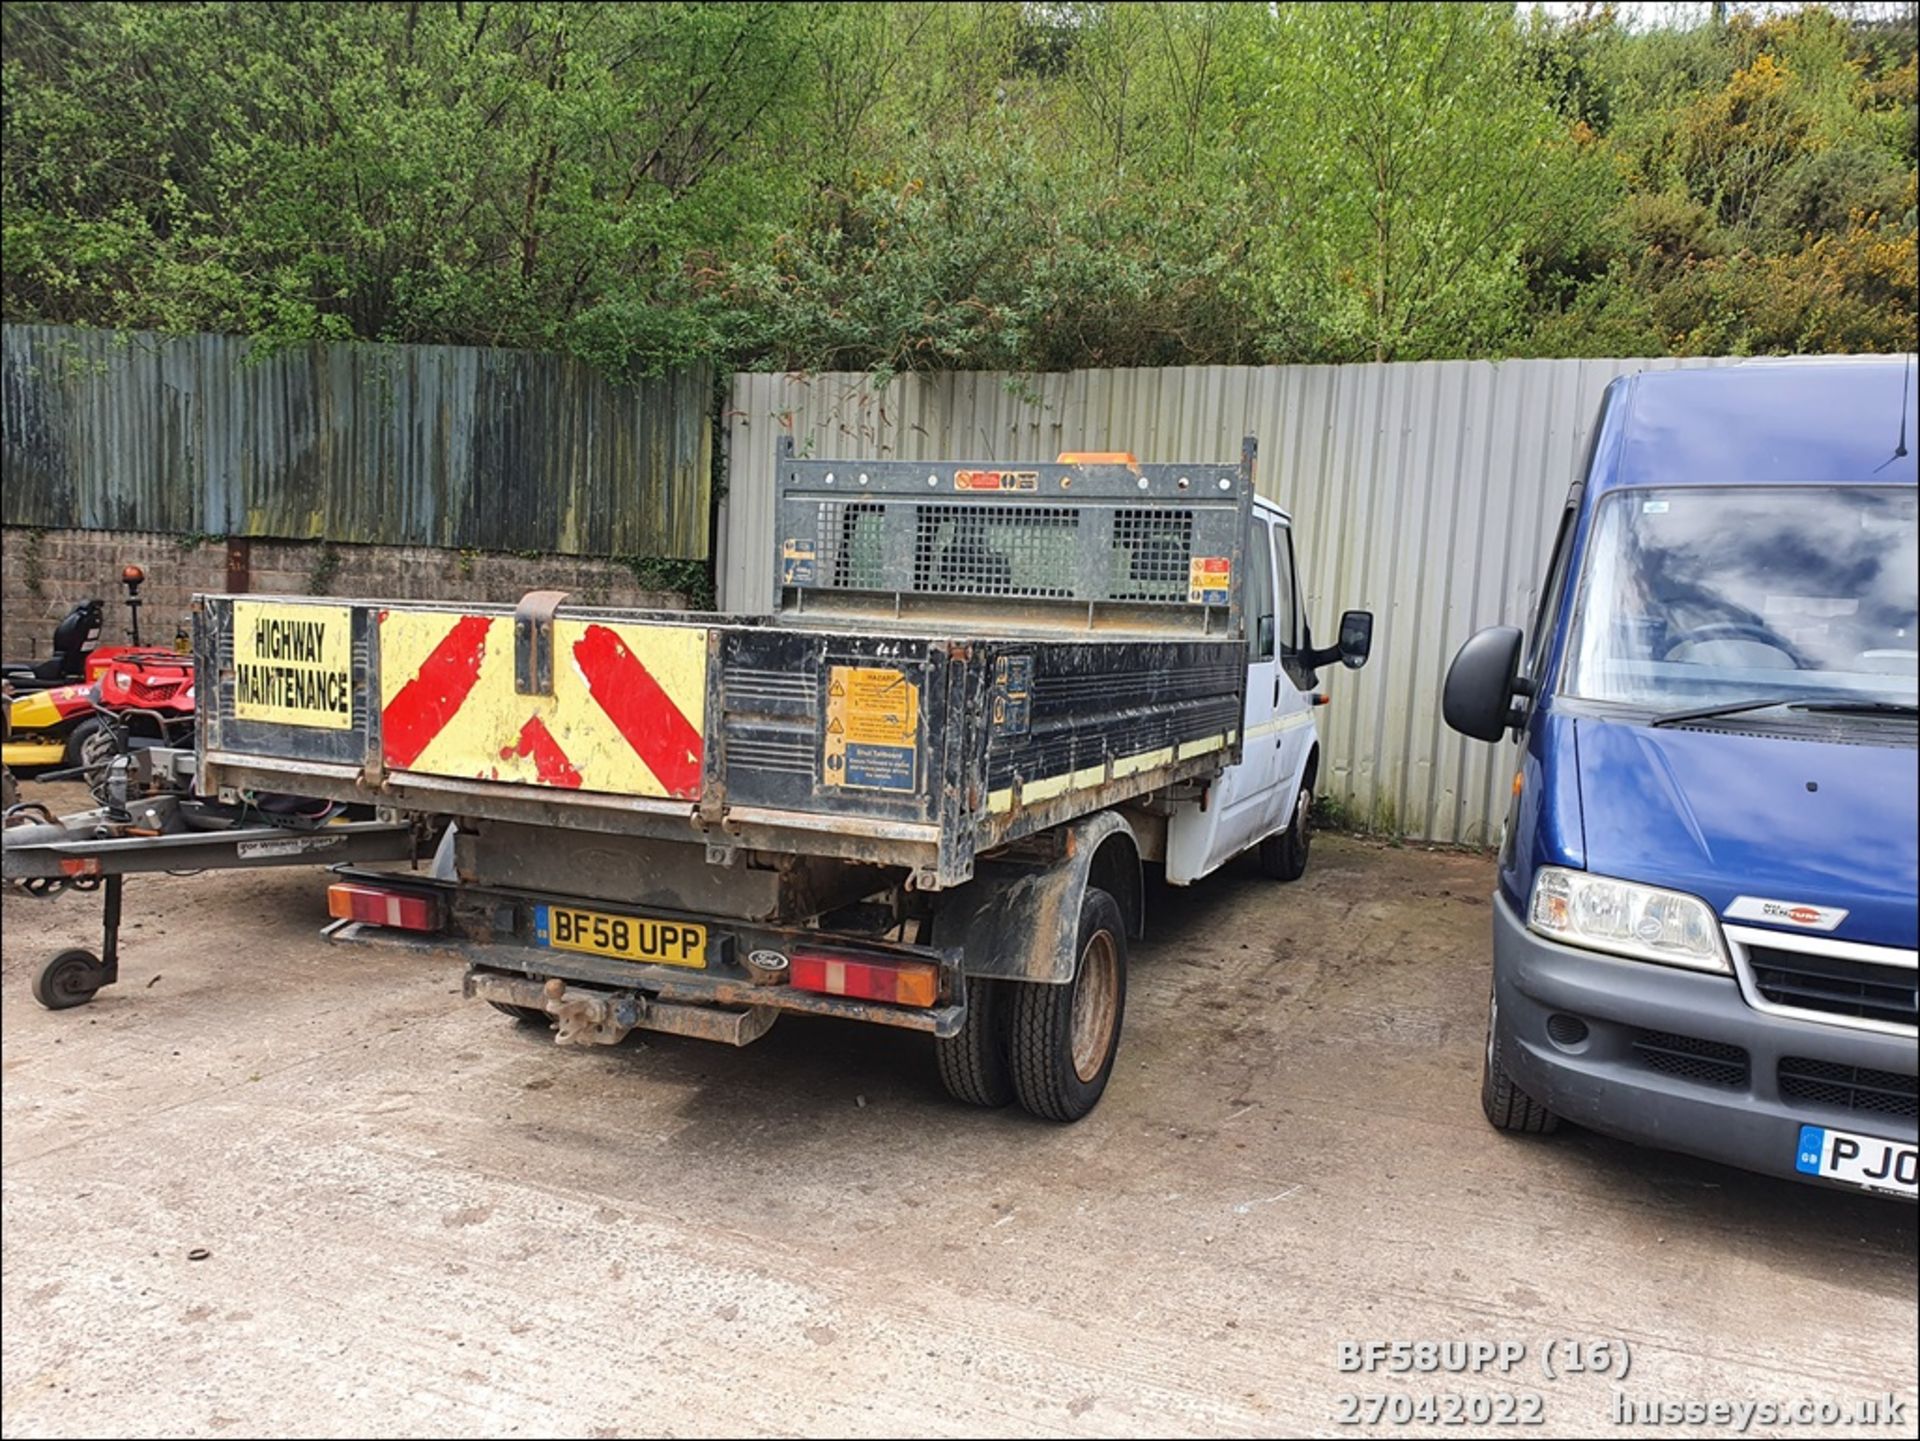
(973, 1062)
(1064, 1038)
(1507, 1106)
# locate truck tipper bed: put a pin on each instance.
(919, 793)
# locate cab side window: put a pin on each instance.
(1287, 623)
(1260, 618)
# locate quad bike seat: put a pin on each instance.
(73, 638)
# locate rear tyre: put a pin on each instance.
(1507, 1106)
(1064, 1038)
(1284, 857)
(523, 1015)
(973, 1063)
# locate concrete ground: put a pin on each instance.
(421, 1219)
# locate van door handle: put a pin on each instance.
(1276, 689)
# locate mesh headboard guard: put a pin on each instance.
(1089, 533)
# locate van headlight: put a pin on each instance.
(1626, 919)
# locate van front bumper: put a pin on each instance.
(1678, 1059)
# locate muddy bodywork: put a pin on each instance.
(1019, 919)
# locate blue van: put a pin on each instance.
(1705, 934)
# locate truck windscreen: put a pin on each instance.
(1709, 595)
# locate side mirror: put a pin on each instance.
(1481, 683)
(1356, 644)
(1356, 638)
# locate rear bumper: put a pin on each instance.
(1678, 1059)
(493, 930)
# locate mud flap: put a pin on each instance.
(1021, 923)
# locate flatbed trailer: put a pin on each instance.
(919, 793)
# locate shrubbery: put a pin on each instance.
(978, 185)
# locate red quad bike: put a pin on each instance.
(63, 713)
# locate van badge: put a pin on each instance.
(1797, 914)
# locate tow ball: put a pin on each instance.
(584, 1019)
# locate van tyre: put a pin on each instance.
(973, 1062)
(1064, 1038)
(1284, 857)
(1507, 1106)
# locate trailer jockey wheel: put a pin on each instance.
(69, 979)
(73, 977)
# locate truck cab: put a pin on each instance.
(1705, 922)
(1266, 800)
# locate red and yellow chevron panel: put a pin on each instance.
(627, 714)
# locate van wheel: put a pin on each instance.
(973, 1063)
(1507, 1106)
(1284, 857)
(1065, 1037)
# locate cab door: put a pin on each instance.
(1293, 701)
(1237, 809)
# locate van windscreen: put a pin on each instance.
(1704, 595)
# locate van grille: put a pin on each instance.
(1849, 1088)
(1711, 1063)
(1862, 990)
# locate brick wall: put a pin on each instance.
(43, 574)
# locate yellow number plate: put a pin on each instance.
(625, 938)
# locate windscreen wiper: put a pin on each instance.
(1859, 707)
(1708, 712)
(1800, 703)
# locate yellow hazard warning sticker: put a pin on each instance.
(293, 664)
(871, 737)
(1210, 580)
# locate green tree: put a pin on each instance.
(1401, 159)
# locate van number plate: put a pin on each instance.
(625, 938)
(1858, 1160)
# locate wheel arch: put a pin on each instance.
(1021, 922)
(1116, 870)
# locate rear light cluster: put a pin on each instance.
(899, 983)
(377, 906)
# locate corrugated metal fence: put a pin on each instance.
(404, 445)
(1424, 492)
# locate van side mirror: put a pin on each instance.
(1356, 643)
(1356, 638)
(1482, 682)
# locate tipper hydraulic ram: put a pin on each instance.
(919, 793)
